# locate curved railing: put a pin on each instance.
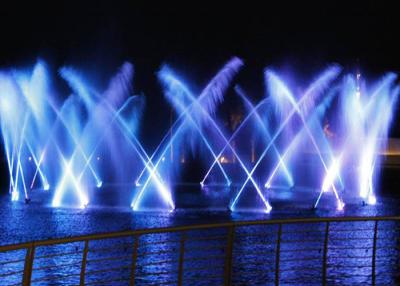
(348, 250)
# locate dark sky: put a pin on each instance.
(199, 36)
(106, 32)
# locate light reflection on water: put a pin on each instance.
(21, 223)
(349, 254)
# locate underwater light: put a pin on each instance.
(14, 196)
(99, 184)
(371, 200)
(340, 205)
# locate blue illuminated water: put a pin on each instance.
(254, 256)
(22, 222)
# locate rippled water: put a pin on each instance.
(349, 256)
(20, 222)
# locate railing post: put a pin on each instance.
(325, 254)
(374, 253)
(30, 253)
(278, 254)
(84, 259)
(181, 258)
(228, 256)
(134, 259)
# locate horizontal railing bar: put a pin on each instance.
(12, 261)
(206, 248)
(303, 231)
(252, 264)
(346, 275)
(307, 282)
(246, 284)
(57, 277)
(386, 258)
(351, 257)
(354, 230)
(156, 252)
(107, 270)
(271, 245)
(161, 262)
(349, 266)
(204, 277)
(301, 249)
(320, 240)
(257, 234)
(167, 283)
(350, 247)
(349, 238)
(147, 282)
(102, 282)
(190, 239)
(255, 253)
(300, 268)
(158, 242)
(211, 266)
(300, 260)
(15, 284)
(106, 249)
(192, 227)
(11, 273)
(203, 257)
(56, 266)
(108, 258)
(146, 274)
(58, 254)
(15, 247)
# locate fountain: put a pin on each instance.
(322, 143)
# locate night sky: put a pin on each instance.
(196, 38)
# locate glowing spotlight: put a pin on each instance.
(14, 196)
(340, 205)
(30, 158)
(331, 175)
(99, 184)
(84, 205)
(371, 200)
(46, 186)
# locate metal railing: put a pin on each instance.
(350, 250)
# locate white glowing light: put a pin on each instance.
(340, 205)
(46, 186)
(331, 175)
(14, 196)
(371, 200)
